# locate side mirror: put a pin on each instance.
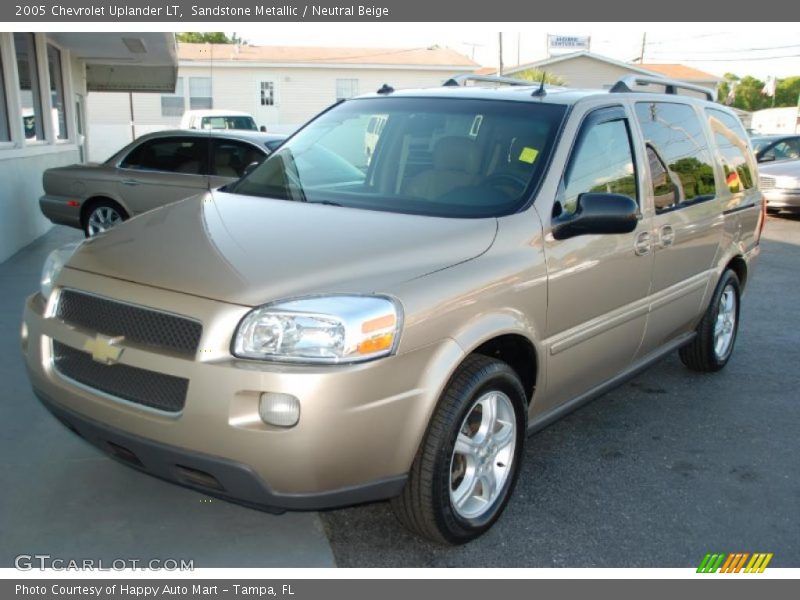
(250, 168)
(598, 213)
(765, 158)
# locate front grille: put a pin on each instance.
(148, 388)
(766, 183)
(138, 324)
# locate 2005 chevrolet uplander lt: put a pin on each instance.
(394, 326)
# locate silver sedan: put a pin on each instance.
(155, 169)
(780, 184)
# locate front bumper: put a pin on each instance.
(59, 212)
(783, 199)
(358, 433)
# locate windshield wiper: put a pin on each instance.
(325, 202)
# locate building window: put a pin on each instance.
(173, 105)
(5, 132)
(29, 90)
(200, 93)
(57, 91)
(267, 93)
(346, 88)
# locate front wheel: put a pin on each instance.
(716, 334)
(467, 465)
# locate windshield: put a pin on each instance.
(229, 123)
(760, 143)
(431, 156)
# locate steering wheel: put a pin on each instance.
(506, 180)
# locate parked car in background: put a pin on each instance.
(154, 170)
(312, 337)
(780, 184)
(218, 119)
(769, 148)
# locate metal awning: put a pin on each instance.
(125, 62)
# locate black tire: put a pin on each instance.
(701, 354)
(97, 207)
(425, 506)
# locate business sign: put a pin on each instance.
(563, 44)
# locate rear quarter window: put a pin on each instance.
(674, 133)
(731, 142)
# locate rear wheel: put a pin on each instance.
(716, 334)
(467, 465)
(101, 216)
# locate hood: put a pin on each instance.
(783, 168)
(247, 250)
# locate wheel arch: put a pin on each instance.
(94, 200)
(738, 265)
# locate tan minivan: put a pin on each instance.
(333, 331)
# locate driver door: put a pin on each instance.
(598, 284)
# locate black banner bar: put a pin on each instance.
(732, 587)
(197, 11)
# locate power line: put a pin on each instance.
(728, 50)
(733, 59)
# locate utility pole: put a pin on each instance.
(500, 54)
(644, 42)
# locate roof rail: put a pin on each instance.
(458, 80)
(627, 83)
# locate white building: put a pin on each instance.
(44, 82)
(781, 120)
(588, 70)
(282, 87)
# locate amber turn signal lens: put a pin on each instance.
(376, 344)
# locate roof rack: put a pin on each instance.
(458, 80)
(627, 83)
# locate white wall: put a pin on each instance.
(777, 120)
(300, 93)
(22, 162)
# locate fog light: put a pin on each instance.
(23, 337)
(282, 410)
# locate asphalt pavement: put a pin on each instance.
(656, 473)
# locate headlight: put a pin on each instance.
(53, 265)
(328, 329)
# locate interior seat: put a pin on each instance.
(456, 163)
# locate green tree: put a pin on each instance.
(536, 75)
(724, 88)
(208, 37)
(749, 96)
(787, 92)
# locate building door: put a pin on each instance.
(266, 103)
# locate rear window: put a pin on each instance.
(432, 156)
(223, 122)
(731, 141)
(678, 150)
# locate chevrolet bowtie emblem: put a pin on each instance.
(104, 349)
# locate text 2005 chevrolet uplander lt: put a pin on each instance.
(395, 329)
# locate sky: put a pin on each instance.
(758, 49)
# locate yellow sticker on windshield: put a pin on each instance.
(528, 154)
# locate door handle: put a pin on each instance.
(129, 182)
(666, 236)
(643, 243)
